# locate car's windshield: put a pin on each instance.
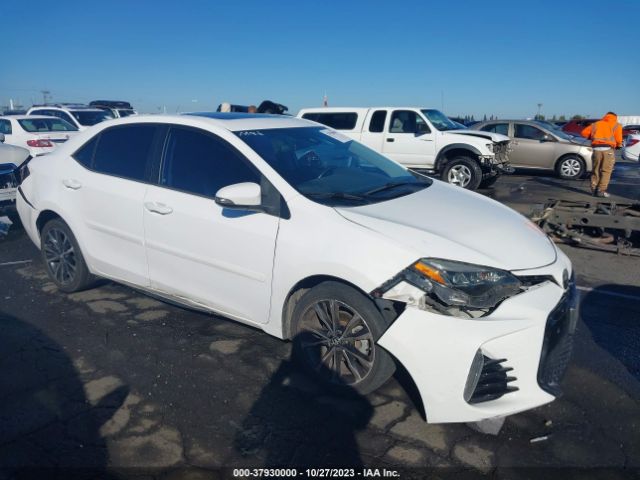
(125, 112)
(331, 168)
(46, 125)
(440, 121)
(91, 117)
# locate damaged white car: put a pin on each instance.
(300, 231)
(12, 160)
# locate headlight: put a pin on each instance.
(463, 284)
(490, 147)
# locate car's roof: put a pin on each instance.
(29, 117)
(233, 121)
(67, 107)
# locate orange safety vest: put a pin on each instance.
(604, 132)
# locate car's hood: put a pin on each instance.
(578, 140)
(444, 221)
(496, 137)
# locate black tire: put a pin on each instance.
(570, 167)
(363, 364)
(488, 182)
(469, 173)
(62, 257)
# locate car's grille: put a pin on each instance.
(557, 344)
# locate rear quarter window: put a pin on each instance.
(335, 120)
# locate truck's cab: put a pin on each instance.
(422, 139)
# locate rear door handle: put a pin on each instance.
(159, 208)
(71, 183)
(390, 140)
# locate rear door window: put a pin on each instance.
(335, 120)
(377, 121)
(125, 151)
(201, 163)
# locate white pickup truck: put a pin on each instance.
(424, 140)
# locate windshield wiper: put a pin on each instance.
(335, 195)
(388, 186)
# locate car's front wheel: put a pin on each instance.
(570, 167)
(463, 172)
(62, 257)
(336, 332)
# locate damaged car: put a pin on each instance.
(12, 161)
(309, 235)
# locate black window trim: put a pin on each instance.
(151, 160)
(272, 201)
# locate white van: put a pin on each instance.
(422, 139)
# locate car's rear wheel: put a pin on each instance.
(62, 257)
(570, 167)
(463, 172)
(336, 332)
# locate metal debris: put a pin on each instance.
(543, 438)
(597, 225)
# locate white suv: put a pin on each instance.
(308, 235)
(422, 139)
(78, 115)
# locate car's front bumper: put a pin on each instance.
(438, 352)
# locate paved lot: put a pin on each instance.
(113, 378)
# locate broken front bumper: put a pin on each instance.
(442, 353)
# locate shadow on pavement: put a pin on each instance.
(612, 314)
(48, 427)
(319, 431)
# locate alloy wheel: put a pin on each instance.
(459, 175)
(337, 342)
(60, 256)
(570, 167)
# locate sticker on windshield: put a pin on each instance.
(248, 133)
(336, 135)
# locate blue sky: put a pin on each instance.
(493, 57)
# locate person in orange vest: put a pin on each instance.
(605, 136)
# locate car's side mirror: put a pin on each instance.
(422, 128)
(240, 196)
(1, 137)
(547, 138)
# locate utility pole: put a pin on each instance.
(46, 96)
(539, 108)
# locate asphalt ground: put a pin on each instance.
(112, 383)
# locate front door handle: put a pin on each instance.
(159, 208)
(390, 140)
(71, 183)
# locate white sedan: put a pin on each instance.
(300, 231)
(631, 149)
(37, 133)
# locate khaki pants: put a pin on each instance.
(603, 162)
